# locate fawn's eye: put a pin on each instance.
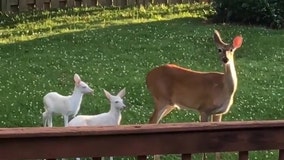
(84, 87)
(116, 102)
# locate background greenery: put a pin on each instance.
(268, 13)
(114, 48)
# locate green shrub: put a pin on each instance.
(257, 12)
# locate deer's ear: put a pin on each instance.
(107, 94)
(217, 39)
(77, 79)
(121, 93)
(237, 42)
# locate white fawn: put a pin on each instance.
(64, 105)
(210, 93)
(110, 118)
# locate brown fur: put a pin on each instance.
(210, 93)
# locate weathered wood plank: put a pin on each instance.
(89, 3)
(13, 2)
(54, 4)
(105, 2)
(23, 5)
(47, 5)
(63, 3)
(30, 1)
(13, 5)
(78, 3)
(121, 3)
(161, 1)
(70, 3)
(131, 2)
(143, 2)
(39, 4)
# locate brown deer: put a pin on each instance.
(210, 93)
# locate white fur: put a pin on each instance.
(110, 118)
(64, 105)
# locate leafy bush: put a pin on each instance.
(259, 12)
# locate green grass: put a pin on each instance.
(115, 48)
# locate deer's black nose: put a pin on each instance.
(225, 59)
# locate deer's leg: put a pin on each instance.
(155, 117)
(161, 110)
(65, 117)
(204, 117)
(167, 110)
(157, 157)
(44, 118)
(217, 118)
(49, 120)
(159, 114)
(161, 107)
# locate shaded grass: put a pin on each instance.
(27, 26)
(118, 52)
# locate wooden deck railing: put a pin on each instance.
(141, 140)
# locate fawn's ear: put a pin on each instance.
(238, 41)
(121, 93)
(77, 79)
(107, 94)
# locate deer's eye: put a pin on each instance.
(219, 50)
(84, 87)
(116, 102)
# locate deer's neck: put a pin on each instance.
(116, 113)
(76, 99)
(230, 77)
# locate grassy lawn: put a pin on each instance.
(113, 48)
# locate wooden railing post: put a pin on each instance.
(186, 156)
(141, 157)
(281, 154)
(243, 155)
